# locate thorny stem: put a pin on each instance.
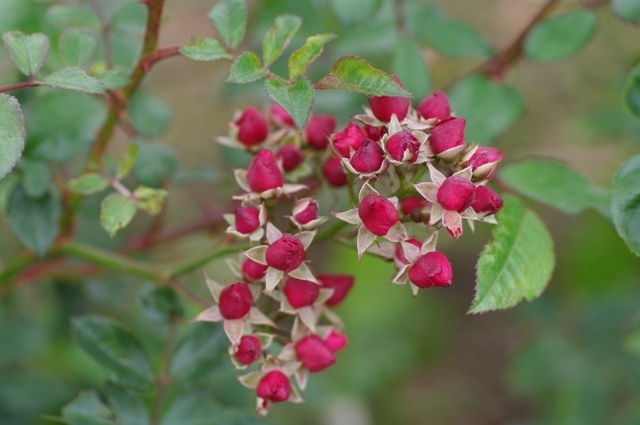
(165, 379)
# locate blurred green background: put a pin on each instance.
(571, 357)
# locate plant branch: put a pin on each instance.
(19, 86)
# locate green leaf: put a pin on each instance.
(127, 161)
(517, 263)
(73, 78)
(278, 37)
(149, 115)
(88, 184)
(355, 74)
(115, 349)
(77, 47)
(355, 11)
(301, 58)
(128, 408)
(87, 409)
(161, 303)
(196, 408)
(560, 36)
(296, 98)
(116, 212)
(113, 78)
(12, 133)
(628, 10)
(149, 199)
(489, 108)
(245, 69)
(205, 49)
(200, 352)
(555, 184)
(454, 38)
(28, 52)
(229, 17)
(156, 163)
(36, 177)
(409, 65)
(632, 92)
(34, 220)
(625, 203)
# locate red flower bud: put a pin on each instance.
(286, 254)
(333, 172)
(235, 301)
(274, 387)
(281, 117)
(291, 156)
(378, 214)
(374, 133)
(318, 130)
(383, 107)
(253, 127)
(263, 172)
(368, 158)
(431, 269)
(247, 219)
(314, 354)
(402, 143)
(308, 212)
(253, 270)
(486, 157)
(411, 203)
(351, 137)
(456, 194)
(486, 201)
(446, 135)
(341, 285)
(435, 106)
(248, 350)
(335, 341)
(300, 293)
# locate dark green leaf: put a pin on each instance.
(355, 11)
(560, 36)
(77, 47)
(229, 17)
(197, 409)
(34, 221)
(200, 352)
(87, 409)
(36, 177)
(301, 58)
(489, 108)
(409, 65)
(296, 98)
(632, 92)
(28, 52)
(12, 133)
(149, 199)
(454, 38)
(355, 74)
(115, 349)
(116, 211)
(245, 69)
(73, 78)
(88, 184)
(156, 163)
(161, 303)
(127, 161)
(517, 263)
(205, 49)
(625, 203)
(629, 10)
(127, 407)
(149, 115)
(555, 184)
(278, 37)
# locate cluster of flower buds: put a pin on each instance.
(383, 155)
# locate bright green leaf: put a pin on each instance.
(355, 74)
(36, 177)
(156, 163)
(229, 17)
(34, 220)
(489, 108)
(560, 36)
(625, 203)
(149, 199)
(296, 98)
(409, 65)
(517, 263)
(127, 161)
(28, 52)
(278, 37)
(454, 38)
(149, 115)
(88, 184)
(355, 11)
(73, 78)
(555, 184)
(245, 69)
(116, 212)
(629, 10)
(87, 409)
(632, 91)
(127, 407)
(77, 47)
(301, 58)
(205, 49)
(12, 133)
(199, 353)
(115, 349)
